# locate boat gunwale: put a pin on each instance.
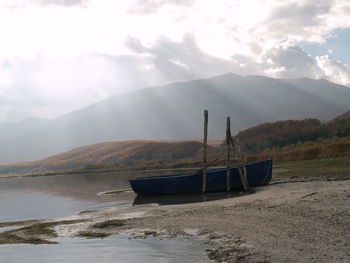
(188, 175)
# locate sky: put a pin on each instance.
(60, 55)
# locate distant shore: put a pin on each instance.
(132, 168)
(97, 171)
(317, 169)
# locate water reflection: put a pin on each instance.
(76, 186)
(111, 249)
(185, 198)
(63, 195)
(57, 196)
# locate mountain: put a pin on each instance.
(10, 130)
(175, 112)
(114, 153)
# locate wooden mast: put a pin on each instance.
(205, 142)
(228, 143)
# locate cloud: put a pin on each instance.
(152, 6)
(61, 2)
(334, 70)
(46, 87)
(304, 20)
(307, 14)
(184, 60)
(135, 45)
(289, 62)
(55, 59)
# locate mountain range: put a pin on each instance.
(175, 112)
(283, 140)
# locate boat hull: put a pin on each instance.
(259, 173)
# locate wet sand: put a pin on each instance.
(287, 222)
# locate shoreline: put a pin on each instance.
(100, 172)
(281, 222)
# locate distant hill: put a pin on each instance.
(114, 153)
(282, 133)
(174, 112)
(341, 125)
(343, 117)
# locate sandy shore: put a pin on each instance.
(288, 222)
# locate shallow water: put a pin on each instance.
(43, 197)
(24, 198)
(58, 196)
(116, 249)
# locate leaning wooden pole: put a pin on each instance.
(228, 143)
(238, 149)
(243, 176)
(205, 142)
(242, 171)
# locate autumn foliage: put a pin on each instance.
(113, 155)
(276, 135)
(298, 139)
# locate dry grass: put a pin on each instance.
(320, 169)
(328, 149)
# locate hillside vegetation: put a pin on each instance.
(298, 140)
(113, 154)
(324, 148)
(281, 133)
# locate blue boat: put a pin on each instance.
(258, 173)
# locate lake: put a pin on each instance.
(116, 249)
(44, 197)
(60, 195)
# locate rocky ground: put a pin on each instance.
(282, 222)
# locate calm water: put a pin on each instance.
(63, 195)
(116, 249)
(44, 197)
(59, 196)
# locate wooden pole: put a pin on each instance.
(228, 142)
(237, 149)
(244, 177)
(241, 170)
(205, 141)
